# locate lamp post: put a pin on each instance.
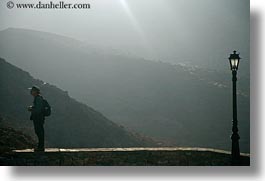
(234, 62)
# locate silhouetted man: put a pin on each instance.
(37, 116)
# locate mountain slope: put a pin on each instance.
(184, 106)
(71, 124)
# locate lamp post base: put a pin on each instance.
(235, 149)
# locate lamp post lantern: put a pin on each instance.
(234, 60)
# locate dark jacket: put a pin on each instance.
(37, 109)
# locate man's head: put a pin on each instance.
(34, 91)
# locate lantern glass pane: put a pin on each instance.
(234, 63)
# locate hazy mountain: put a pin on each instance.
(71, 124)
(182, 105)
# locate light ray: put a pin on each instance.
(136, 26)
(133, 20)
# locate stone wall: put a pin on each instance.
(122, 157)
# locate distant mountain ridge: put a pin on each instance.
(182, 105)
(71, 124)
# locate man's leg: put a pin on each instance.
(39, 130)
(41, 137)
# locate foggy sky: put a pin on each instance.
(202, 31)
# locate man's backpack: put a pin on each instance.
(46, 108)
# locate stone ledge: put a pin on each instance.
(161, 156)
(130, 149)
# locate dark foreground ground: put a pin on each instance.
(122, 157)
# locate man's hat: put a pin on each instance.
(34, 88)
